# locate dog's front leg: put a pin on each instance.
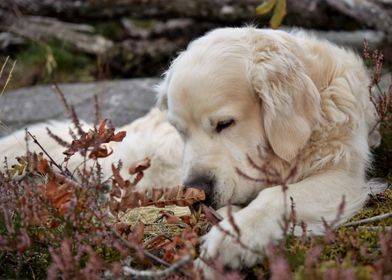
(241, 240)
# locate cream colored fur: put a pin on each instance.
(298, 100)
(301, 100)
(150, 136)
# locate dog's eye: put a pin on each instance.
(221, 125)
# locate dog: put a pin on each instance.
(252, 110)
(296, 105)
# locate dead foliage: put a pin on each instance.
(124, 197)
(60, 225)
(381, 99)
(73, 220)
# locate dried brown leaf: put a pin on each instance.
(139, 166)
(91, 142)
(117, 178)
(180, 196)
(100, 152)
(42, 166)
(119, 136)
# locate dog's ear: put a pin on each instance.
(290, 99)
(163, 87)
(161, 90)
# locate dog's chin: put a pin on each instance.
(217, 204)
(212, 202)
(234, 195)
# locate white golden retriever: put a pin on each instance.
(297, 105)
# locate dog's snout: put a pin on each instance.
(203, 183)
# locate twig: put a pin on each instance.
(3, 66)
(97, 109)
(232, 222)
(65, 172)
(27, 143)
(70, 110)
(8, 78)
(375, 228)
(368, 220)
(62, 97)
(129, 271)
(56, 138)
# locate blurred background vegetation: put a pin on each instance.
(88, 40)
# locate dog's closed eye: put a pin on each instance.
(221, 125)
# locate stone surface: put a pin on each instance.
(121, 101)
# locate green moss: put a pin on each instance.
(33, 54)
(348, 251)
(377, 205)
(144, 23)
(50, 63)
(110, 29)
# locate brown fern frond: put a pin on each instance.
(91, 142)
(139, 166)
(179, 195)
(119, 180)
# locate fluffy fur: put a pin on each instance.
(301, 101)
(284, 99)
(150, 136)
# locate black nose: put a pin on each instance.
(204, 183)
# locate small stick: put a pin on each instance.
(368, 220)
(97, 109)
(375, 228)
(8, 78)
(70, 110)
(62, 97)
(129, 271)
(65, 172)
(3, 67)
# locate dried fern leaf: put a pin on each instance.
(179, 195)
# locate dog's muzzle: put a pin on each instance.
(204, 183)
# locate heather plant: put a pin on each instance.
(57, 223)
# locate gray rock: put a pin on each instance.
(121, 101)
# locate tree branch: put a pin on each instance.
(65, 172)
(38, 28)
(368, 220)
(129, 271)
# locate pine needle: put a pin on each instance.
(9, 75)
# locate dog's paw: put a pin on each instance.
(233, 244)
(205, 269)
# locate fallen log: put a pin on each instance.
(306, 13)
(40, 29)
(373, 13)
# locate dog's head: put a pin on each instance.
(230, 92)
